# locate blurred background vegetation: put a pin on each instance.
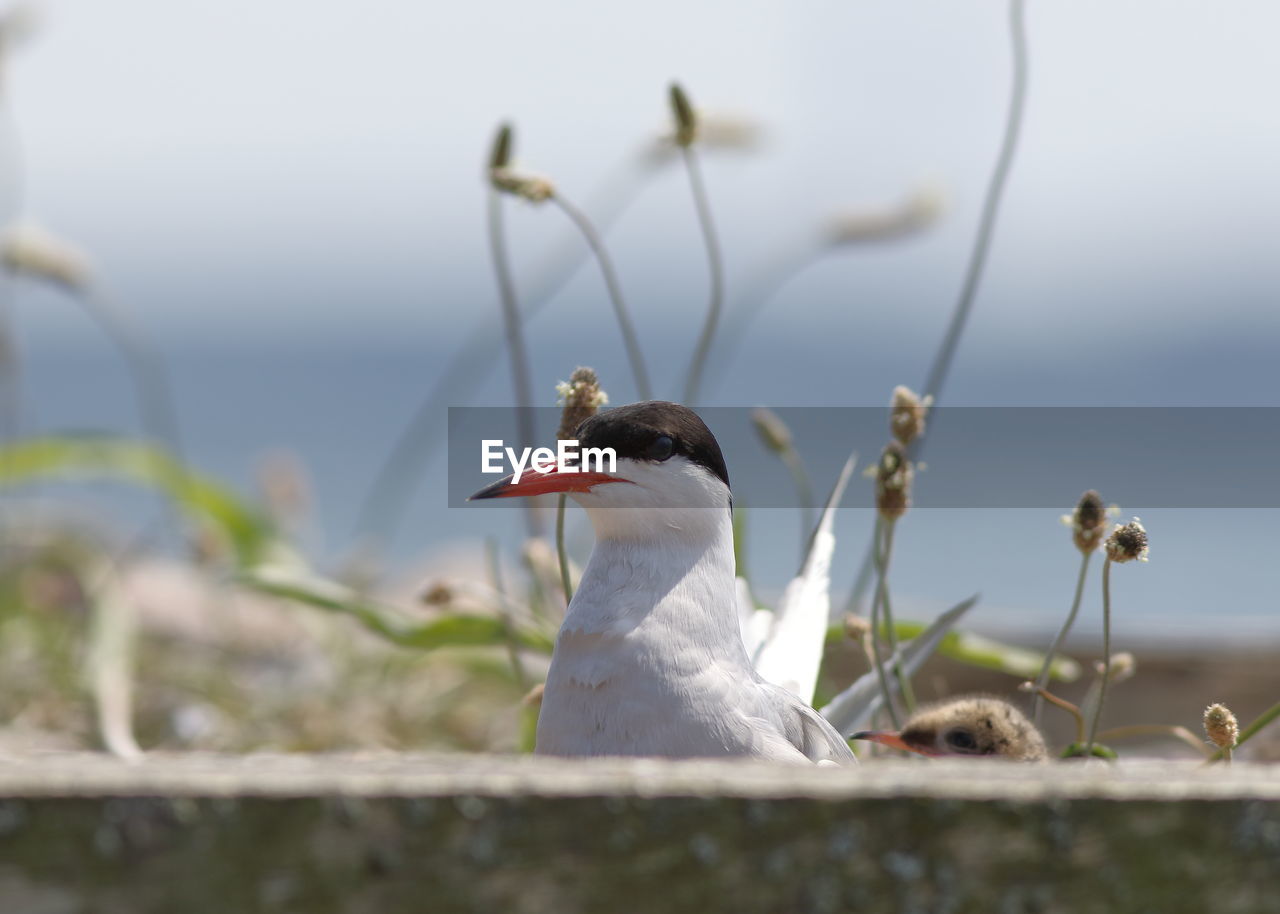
(277, 257)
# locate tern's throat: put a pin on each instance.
(663, 569)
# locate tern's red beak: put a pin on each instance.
(891, 739)
(533, 482)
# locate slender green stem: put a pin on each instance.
(561, 552)
(629, 338)
(1065, 705)
(504, 612)
(886, 554)
(1179, 733)
(875, 634)
(146, 368)
(521, 374)
(990, 206)
(1106, 655)
(1042, 681)
(1263, 719)
(804, 491)
(978, 254)
(388, 497)
(715, 262)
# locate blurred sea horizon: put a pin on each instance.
(337, 405)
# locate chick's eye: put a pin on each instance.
(960, 741)
(660, 448)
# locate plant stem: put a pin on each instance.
(504, 612)
(1181, 733)
(904, 682)
(875, 635)
(561, 552)
(150, 380)
(1065, 705)
(1042, 681)
(978, 254)
(388, 496)
(990, 206)
(629, 338)
(715, 262)
(521, 375)
(804, 491)
(1106, 655)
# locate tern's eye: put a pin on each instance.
(660, 448)
(960, 741)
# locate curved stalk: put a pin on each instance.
(978, 255)
(1042, 681)
(875, 635)
(387, 498)
(521, 374)
(562, 553)
(715, 262)
(882, 592)
(1106, 654)
(1181, 733)
(629, 338)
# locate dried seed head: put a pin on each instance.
(856, 628)
(581, 398)
(893, 482)
(1221, 726)
(526, 184)
(724, 130)
(771, 429)
(881, 223)
(1123, 666)
(500, 155)
(907, 415)
(686, 120)
(1127, 542)
(31, 251)
(716, 130)
(1088, 522)
(438, 594)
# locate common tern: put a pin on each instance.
(650, 659)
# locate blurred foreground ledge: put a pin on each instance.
(392, 833)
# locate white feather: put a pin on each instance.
(650, 659)
(791, 654)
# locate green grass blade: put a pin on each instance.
(246, 531)
(444, 630)
(983, 652)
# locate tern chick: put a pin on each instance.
(967, 726)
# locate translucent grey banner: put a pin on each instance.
(973, 457)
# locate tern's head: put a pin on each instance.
(667, 459)
(969, 726)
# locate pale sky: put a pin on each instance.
(267, 150)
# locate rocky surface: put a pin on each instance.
(329, 834)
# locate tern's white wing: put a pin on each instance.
(792, 651)
(754, 622)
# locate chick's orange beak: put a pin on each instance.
(533, 482)
(890, 739)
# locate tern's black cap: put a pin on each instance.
(637, 431)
